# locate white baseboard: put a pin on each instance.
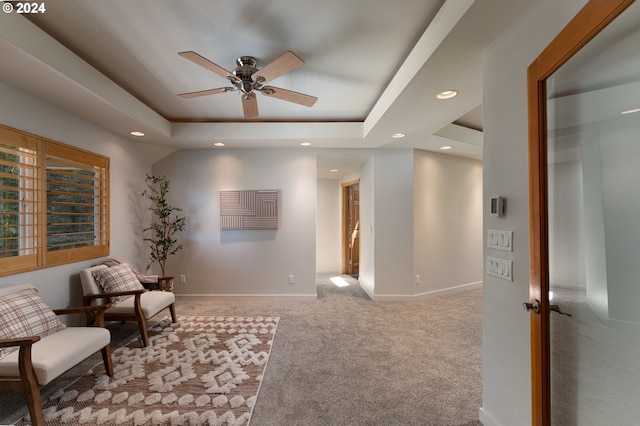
(301, 297)
(367, 289)
(425, 295)
(566, 286)
(450, 290)
(486, 419)
(307, 297)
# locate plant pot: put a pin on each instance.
(165, 283)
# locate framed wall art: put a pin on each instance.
(249, 209)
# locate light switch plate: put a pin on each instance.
(500, 240)
(500, 268)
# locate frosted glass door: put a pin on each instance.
(593, 114)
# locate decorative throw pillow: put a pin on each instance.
(115, 279)
(23, 314)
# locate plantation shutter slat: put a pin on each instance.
(19, 188)
(77, 201)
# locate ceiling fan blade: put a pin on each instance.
(285, 63)
(289, 95)
(206, 92)
(250, 105)
(204, 62)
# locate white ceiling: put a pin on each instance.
(374, 65)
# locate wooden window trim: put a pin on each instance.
(73, 157)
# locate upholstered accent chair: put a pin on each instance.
(129, 300)
(36, 348)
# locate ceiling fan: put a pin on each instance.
(249, 80)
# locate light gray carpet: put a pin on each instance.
(346, 360)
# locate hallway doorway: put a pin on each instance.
(351, 228)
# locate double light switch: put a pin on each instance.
(497, 267)
(500, 240)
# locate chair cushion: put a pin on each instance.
(117, 278)
(57, 353)
(152, 302)
(23, 314)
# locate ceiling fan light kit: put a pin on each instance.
(248, 79)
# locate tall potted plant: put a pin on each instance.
(166, 224)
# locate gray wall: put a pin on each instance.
(420, 214)
(60, 286)
(621, 203)
(566, 225)
(247, 263)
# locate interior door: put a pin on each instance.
(351, 227)
(547, 202)
(355, 230)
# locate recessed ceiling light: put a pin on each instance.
(218, 144)
(398, 135)
(333, 170)
(630, 111)
(137, 133)
(305, 143)
(445, 147)
(447, 94)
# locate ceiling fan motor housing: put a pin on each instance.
(245, 69)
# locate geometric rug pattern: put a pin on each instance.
(198, 371)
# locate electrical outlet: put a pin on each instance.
(291, 280)
(417, 280)
(183, 279)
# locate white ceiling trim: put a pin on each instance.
(197, 132)
(443, 23)
(461, 134)
(75, 75)
(42, 53)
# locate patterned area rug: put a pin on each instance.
(199, 371)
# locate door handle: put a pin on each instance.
(533, 306)
(556, 308)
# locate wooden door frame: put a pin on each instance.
(345, 223)
(591, 19)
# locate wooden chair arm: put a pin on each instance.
(19, 341)
(82, 309)
(89, 297)
(94, 313)
(27, 382)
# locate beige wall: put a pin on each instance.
(447, 222)
(421, 214)
(329, 227)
